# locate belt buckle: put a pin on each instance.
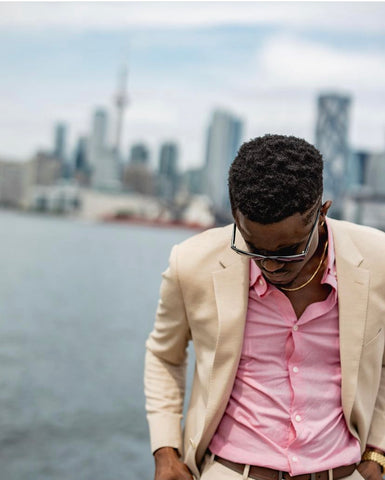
(280, 476)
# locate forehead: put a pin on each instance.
(274, 236)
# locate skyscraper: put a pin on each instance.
(137, 174)
(60, 140)
(102, 158)
(357, 169)
(98, 141)
(81, 165)
(332, 141)
(168, 170)
(223, 140)
(139, 154)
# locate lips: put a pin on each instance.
(279, 277)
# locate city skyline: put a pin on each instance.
(266, 63)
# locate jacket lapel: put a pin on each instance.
(231, 285)
(353, 291)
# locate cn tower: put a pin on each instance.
(121, 101)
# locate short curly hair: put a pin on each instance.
(274, 177)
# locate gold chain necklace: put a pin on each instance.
(312, 277)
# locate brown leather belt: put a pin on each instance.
(263, 473)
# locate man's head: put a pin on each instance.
(275, 187)
(274, 177)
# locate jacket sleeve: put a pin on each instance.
(165, 363)
(376, 436)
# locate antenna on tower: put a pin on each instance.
(121, 101)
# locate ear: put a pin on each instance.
(236, 213)
(324, 209)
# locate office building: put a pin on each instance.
(332, 141)
(82, 170)
(137, 175)
(102, 157)
(47, 168)
(60, 147)
(81, 161)
(168, 171)
(357, 168)
(193, 180)
(223, 141)
(16, 183)
(139, 154)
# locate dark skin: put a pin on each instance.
(290, 235)
(168, 465)
(271, 239)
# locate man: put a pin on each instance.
(286, 311)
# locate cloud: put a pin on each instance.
(369, 17)
(288, 60)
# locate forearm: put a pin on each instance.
(376, 437)
(164, 390)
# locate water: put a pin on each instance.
(77, 302)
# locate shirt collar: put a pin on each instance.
(261, 287)
(330, 273)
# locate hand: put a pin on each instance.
(168, 466)
(370, 470)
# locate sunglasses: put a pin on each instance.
(278, 258)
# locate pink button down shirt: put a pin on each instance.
(285, 408)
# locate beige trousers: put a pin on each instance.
(212, 470)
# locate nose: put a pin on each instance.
(271, 266)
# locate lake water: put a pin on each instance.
(77, 302)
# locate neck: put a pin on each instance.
(313, 275)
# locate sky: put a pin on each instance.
(264, 62)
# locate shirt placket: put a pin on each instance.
(294, 366)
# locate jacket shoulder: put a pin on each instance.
(369, 241)
(211, 238)
(202, 253)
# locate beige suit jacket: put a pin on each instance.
(203, 298)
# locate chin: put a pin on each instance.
(279, 278)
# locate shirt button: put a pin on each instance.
(295, 369)
(295, 459)
(193, 444)
(261, 282)
(298, 418)
(295, 328)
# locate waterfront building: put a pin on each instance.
(47, 168)
(332, 141)
(16, 183)
(224, 138)
(57, 199)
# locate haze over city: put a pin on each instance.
(265, 62)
